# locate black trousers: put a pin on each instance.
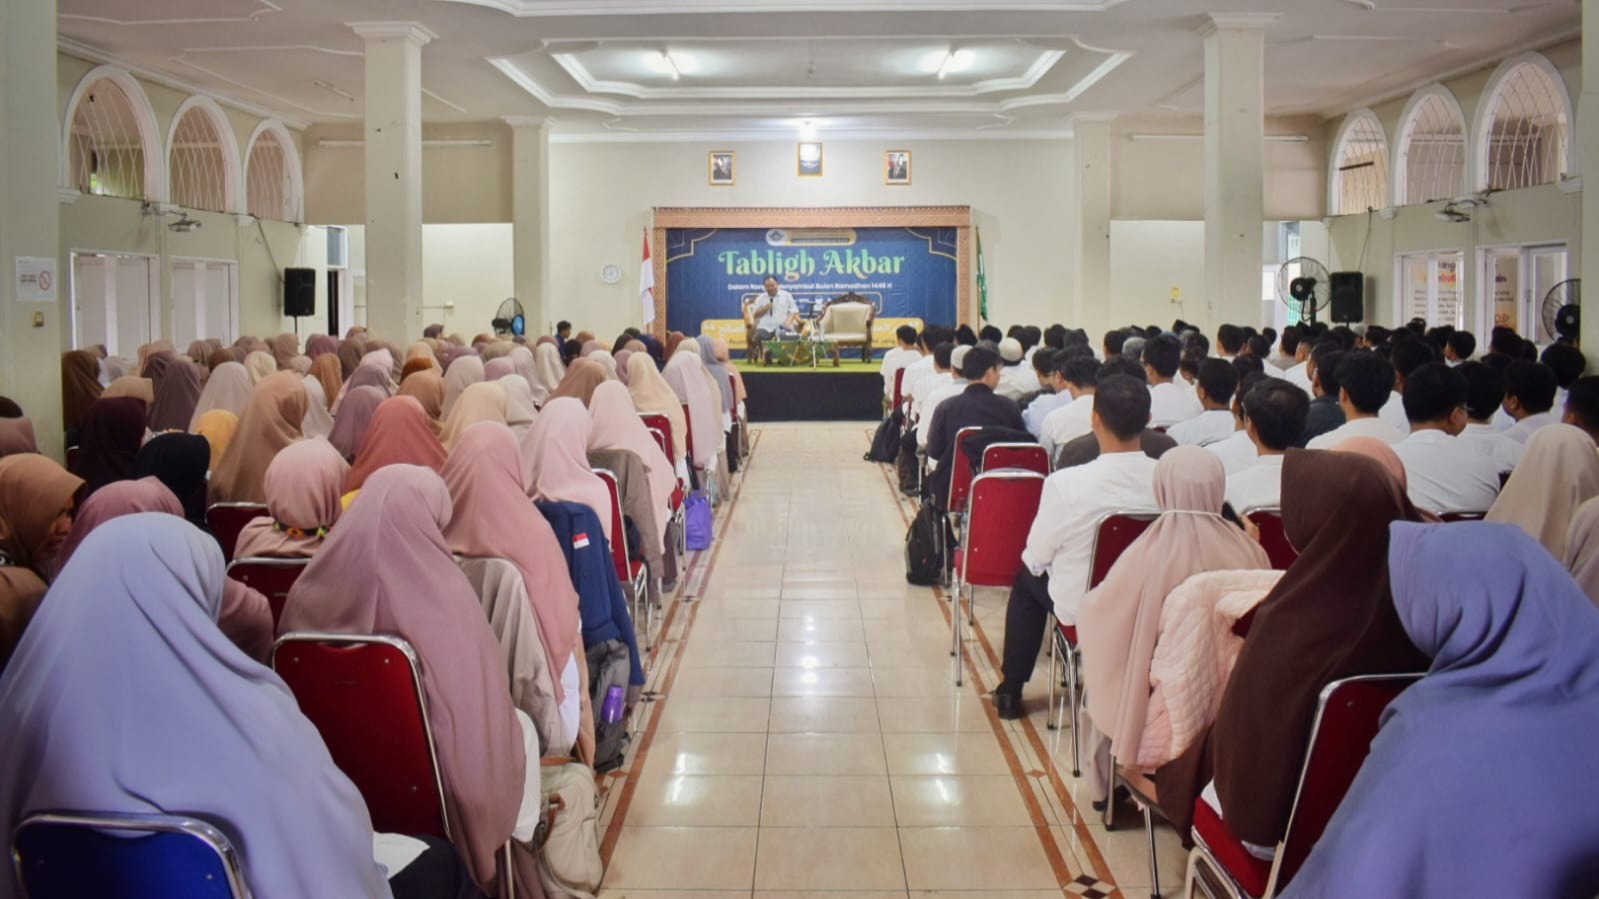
(1026, 619)
(435, 874)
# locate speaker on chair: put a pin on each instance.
(299, 292)
(1348, 297)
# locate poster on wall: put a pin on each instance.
(908, 274)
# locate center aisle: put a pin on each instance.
(809, 738)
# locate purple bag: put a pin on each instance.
(697, 521)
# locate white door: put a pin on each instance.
(112, 301)
(1430, 289)
(1514, 283)
(204, 300)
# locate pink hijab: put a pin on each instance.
(483, 401)
(399, 435)
(555, 462)
(493, 519)
(686, 374)
(616, 426)
(1119, 622)
(303, 485)
(462, 373)
(417, 593)
(497, 368)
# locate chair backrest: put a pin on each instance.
(1115, 533)
(1448, 517)
(1026, 456)
(1340, 739)
(960, 474)
(661, 440)
(273, 578)
(1272, 538)
(121, 855)
(618, 524)
(662, 426)
(226, 520)
(899, 387)
(847, 318)
(688, 433)
(1002, 507)
(364, 694)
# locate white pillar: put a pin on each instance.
(1091, 171)
(1235, 149)
(530, 216)
(393, 136)
(1588, 164)
(31, 333)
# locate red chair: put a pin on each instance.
(899, 389)
(1026, 456)
(1346, 721)
(661, 426)
(1447, 517)
(1115, 533)
(630, 572)
(1272, 539)
(960, 476)
(1003, 506)
(688, 434)
(226, 520)
(271, 577)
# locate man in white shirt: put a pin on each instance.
(1229, 341)
(953, 357)
(1364, 381)
(776, 312)
(900, 356)
(1274, 417)
(1443, 473)
(1485, 392)
(1016, 378)
(931, 336)
(1217, 383)
(1074, 419)
(1406, 355)
(1168, 403)
(1460, 347)
(929, 384)
(1582, 406)
(1288, 350)
(1054, 394)
(1058, 555)
(1529, 398)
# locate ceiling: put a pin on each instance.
(659, 68)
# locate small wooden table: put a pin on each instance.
(795, 352)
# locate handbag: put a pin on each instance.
(697, 521)
(569, 861)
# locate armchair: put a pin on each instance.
(848, 322)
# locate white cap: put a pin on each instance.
(1010, 349)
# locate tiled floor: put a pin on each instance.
(809, 739)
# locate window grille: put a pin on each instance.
(1433, 152)
(106, 149)
(1528, 130)
(1360, 180)
(268, 182)
(198, 167)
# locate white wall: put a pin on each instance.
(1148, 260)
(469, 266)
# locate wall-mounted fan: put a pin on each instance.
(1304, 286)
(509, 319)
(1562, 312)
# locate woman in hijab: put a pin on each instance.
(548, 371)
(399, 435)
(686, 375)
(180, 462)
(674, 339)
(303, 485)
(621, 365)
(177, 395)
(271, 422)
(520, 410)
(428, 389)
(581, 378)
(36, 500)
(524, 364)
(1330, 616)
(418, 594)
(16, 436)
(420, 350)
(153, 361)
(1582, 548)
(285, 347)
(355, 417)
(555, 463)
(350, 352)
(318, 420)
(464, 371)
(497, 368)
(366, 376)
(80, 386)
(229, 387)
(140, 389)
(605, 361)
(217, 427)
(724, 356)
(616, 426)
(219, 358)
(325, 368)
(113, 431)
(260, 366)
(483, 401)
(126, 664)
(653, 396)
(1477, 783)
(718, 372)
(493, 519)
(1558, 472)
(199, 352)
(1119, 622)
(319, 345)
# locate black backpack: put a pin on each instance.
(907, 466)
(929, 534)
(608, 666)
(885, 443)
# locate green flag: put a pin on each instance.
(982, 282)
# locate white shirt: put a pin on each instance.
(1169, 404)
(1236, 452)
(1393, 414)
(1446, 475)
(1489, 442)
(955, 387)
(1299, 376)
(914, 373)
(1037, 410)
(1061, 540)
(1523, 429)
(1067, 423)
(894, 360)
(1360, 427)
(1260, 486)
(783, 308)
(925, 388)
(1016, 381)
(1209, 426)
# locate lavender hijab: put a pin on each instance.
(1482, 780)
(125, 665)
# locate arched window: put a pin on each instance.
(272, 175)
(1359, 179)
(202, 158)
(111, 144)
(1524, 126)
(1431, 162)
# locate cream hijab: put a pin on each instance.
(653, 396)
(548, 371)
(483, 401)
(1558, 472)
(1582, 548)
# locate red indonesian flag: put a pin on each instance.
(646, 282)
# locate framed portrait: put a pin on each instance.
(721, 168)
(896, 166)
(810, 159)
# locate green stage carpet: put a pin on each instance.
(824, 367)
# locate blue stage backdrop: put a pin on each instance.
(907, 273)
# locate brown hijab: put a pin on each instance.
(270, 423)
(398, 435)
(350, 352)
(1330, 616)
(582, 377)
(80, 386)
(285, 347)
(325, 368)
(33, 492)
(427, 387)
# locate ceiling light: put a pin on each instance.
(807, 130)
(954, 61)
(674, 65)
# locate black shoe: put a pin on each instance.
(1008, 706)
(1122, 794)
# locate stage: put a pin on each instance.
(851, 392)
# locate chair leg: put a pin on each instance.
(1154, 865)
(1108, 817)
(959, 649)
(1071, 690)
(1054, 678)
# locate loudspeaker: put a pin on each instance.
(299, 292)
(1348, 297)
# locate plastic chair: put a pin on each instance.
(272, 577)
(1003, 506)
(960, 475)
(123, 855)
(630, 572)
(661, 428)
(226, 520)
(1112, 536)
(1272, 538)
(1026, 456)
(1346, 721)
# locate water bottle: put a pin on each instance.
(611, 710)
